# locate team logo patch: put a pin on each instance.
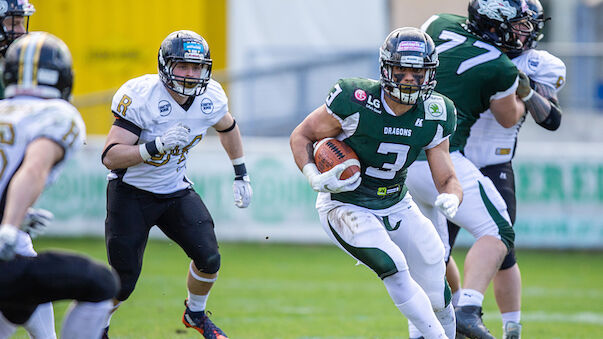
(533, 63)
(207, 106)
(435, 108)
(411, 46)
(165, 108)
(360, 95)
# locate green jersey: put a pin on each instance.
(471, 72)
(386, 144)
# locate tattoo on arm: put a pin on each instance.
(540, 103)
(310, 152)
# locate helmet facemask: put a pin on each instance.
(188, 86)
(11, 10)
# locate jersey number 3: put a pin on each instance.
(455, 39)
(388, 170)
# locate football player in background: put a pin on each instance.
(476, 74)
(40, 131)
(14, 22)
(491, 148)
(158, 119)
(370, 215)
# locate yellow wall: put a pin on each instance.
(114, 40)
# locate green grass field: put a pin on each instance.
(295, 291)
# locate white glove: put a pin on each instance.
(329, 180)
(448, 204)
(8, 241)
(175, 136)
(242, 192)
(36, 221)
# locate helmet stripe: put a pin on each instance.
(27, 65)
(36, 59)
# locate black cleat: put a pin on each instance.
(105, 334)
(200, 322)
(469, 323)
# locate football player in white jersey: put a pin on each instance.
(159, 118)
(39, 132)
(491, 147)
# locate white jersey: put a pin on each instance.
(24, 119)
(146, 103)
(489, 143)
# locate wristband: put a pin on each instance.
(240, 171)
(150, 149)
(529, 96)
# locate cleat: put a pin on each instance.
(512, 330)
(200, 322)
(469, 323)
(105, 334)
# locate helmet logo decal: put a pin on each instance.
(494, 8)
(360, 95)
(207, 106)
(193, 50)
(411, 46)
(165, 108)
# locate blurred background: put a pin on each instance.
(277, 60)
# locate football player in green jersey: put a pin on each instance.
(476, 74)
(371, 216)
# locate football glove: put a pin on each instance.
(175, 136)
(524, 91)
(448, 204)
(328, 181)
(8, 241)
(36, 221)
(242, 191)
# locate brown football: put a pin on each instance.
(330, 152)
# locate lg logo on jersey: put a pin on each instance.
(368, 101)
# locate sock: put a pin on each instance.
(455, 298)
(41, 323)
(447, 319)
(197, 303)
(470, 297)
(86, 319)
(412, 301)
(7, 329)
(510, 316)
(413, 331)
(111, 311)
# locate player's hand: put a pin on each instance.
(242, 191)
(36, 221)
(328, 181)
(523, 89)
(448, 204)
(175, 136)
(8, 241)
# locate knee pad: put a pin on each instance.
(210, 264)
(509, 260)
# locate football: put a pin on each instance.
(330, 152)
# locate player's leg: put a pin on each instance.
(130, 215)
(7, 328)
(362, 235)
(507, 282)
(424, 252)
(41, 323)
(189, 224)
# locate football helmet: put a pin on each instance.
(494, 20)
(38, 64)
(538, 21)
(184, 46)
(408, 47)
(12, 9)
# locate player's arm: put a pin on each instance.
(316, 126)
(230, 136)
(507, 110)
(28, 182)
(541, 102)
(120, 149)
(442, 170)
